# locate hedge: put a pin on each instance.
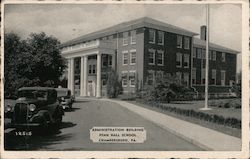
(218, 119)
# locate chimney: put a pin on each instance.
(203, 32)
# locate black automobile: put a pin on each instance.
(35, 107)
(65, 98)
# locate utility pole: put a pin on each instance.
(207, 59)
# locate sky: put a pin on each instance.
(68, 21)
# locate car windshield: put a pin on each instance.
(33, 94)
(62, 93)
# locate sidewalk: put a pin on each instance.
(205, 138)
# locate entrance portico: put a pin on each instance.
(84, 53)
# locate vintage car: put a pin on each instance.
(65, 98)
(36, 107)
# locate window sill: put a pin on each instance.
(132, 64)
(150, 42)
(151, 64)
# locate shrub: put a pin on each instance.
(217, 119)
(165, 89)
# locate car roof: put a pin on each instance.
(62, 89)
(36, 88)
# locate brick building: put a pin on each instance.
(139, 51)
(222, 66)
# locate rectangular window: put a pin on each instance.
(214, 55)
(199, 53)
(124, 78)
(132, 82)
(104, 60)
(203, 63)
(104, 83)
(125, 58)
(151, 36)
(223, 57)
(203, 73)
(186, 79)
(160, 38)
(186, 61)
(223, 77)
(90, 69)
(160, 57)
(132, 57)
(151, 56)
(124, 82)
(203, 54)
(110, 60)
(210, 55)
(94, 68)
(133, 37)
(178, 76)
(194, 75)
(125, 38)
(194, 52)
(178, 59)
(150, 79)
(186, 43)
(179, 41)
(213, 82)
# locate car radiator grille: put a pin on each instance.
(20, 113)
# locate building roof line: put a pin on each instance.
(129, 25)
(202, 43)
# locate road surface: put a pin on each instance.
(74, 131)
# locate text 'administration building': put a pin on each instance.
(139, 51)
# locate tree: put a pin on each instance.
(114, 86)
(35, 61)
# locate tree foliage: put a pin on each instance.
(35, 61)
(165, 88)
(114, 86)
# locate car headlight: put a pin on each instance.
(32, 107)
(8, 108)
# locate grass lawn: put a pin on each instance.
(196, 105)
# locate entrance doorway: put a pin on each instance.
(91, 89)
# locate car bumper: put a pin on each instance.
(65, 105)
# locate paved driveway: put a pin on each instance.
(74, 132)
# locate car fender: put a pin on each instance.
(44, 114)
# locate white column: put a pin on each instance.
(69, 74)
(98, 76)
(72, 76)
(85, 75)
(81, 77)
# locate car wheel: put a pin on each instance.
(70, 106)
(44, 127)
